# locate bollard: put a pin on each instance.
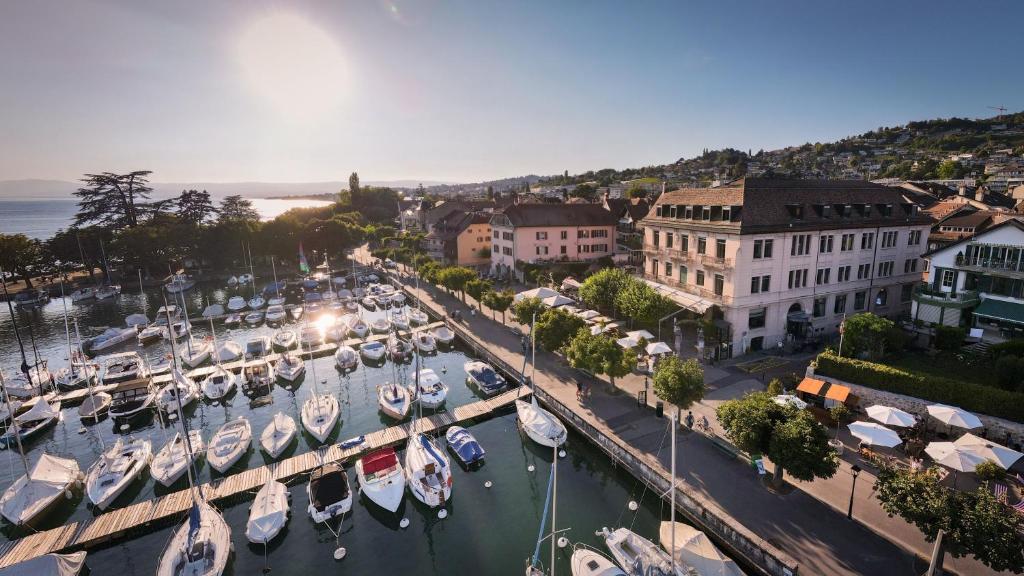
(659, 409)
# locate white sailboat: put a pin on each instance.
(394, 400)
(381, 478)
(219, 383)
(428, 472)
(229, 444)
(425, 342)
(431, 391)
(290, 367)
(116, 469)
(373, 351)
(268, 513)
(320, 412)
(196, 352)
(40, 489)
(96, 403)
(418, 317)
(173, 459)
(180, 391)
(588, 562)
(400, 321)
(41, 415)
(285, 339)
(541, 426)
(229, 351)
(443, 335)
(278, 435)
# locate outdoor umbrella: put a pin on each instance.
(875, 434)
(555, 301)
(641, 334)
(588, 314)
(952, 456)
(988, 450)
(655, 348)
(891, 416)
(954, 416)
(628, 342)
(783, 399)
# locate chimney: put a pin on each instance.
(979, 194)
(962, 190)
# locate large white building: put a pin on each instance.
(784, 260)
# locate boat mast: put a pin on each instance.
(181, 410)
(67, 329)
(81, 252)
(544, 518)
(252, 271)
(277, 290)
(14, 422)
(554, 505)
(106, 265)
(17, 333)
(188, 325)
(88, 378)
(213, 331)
(672, 494)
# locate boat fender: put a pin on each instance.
(488, 484)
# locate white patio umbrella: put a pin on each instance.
(641, 334)
(655, 348)
(555, 301)
(954, 416)
(875, 434)
(891, 416)
(989, 450)
(588, 314)
(628, 342)
(952, 456)
(784, 399)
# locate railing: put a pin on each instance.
(923, 293)
(714, 261)
(990, 264)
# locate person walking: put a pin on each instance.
(689, 420)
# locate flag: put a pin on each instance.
(303, 264)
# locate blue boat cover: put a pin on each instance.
(353, 442)
(429, 447)
(489, 379)
(465, 446)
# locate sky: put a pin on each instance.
(469, 90)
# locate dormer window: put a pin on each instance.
(826, 211)
(867, 210)
(848, 210)
(727, 213)
(672, 212)
(689, 213)
(795, 211)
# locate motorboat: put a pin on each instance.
(122, 367)
(201, 546)
(258, 347)
(196, 352)
(171, 462)
(320, 415)
(180, 390)
(398, 298)
(277, 301)
(78, 375)
(32, 495)
(131, 398)
(464, 445)
(400, 321)
(180, 329)
(107, 292)
(179, 283)
(399, 349)
(229, 444)
(428, 473)
(256, 302)
(290, 367)
(346, 358)
(381, 478)
(278, 435)
(151, 334)
(161, 365)
(418, 317)
(236, 304)
(394, 400)
(244, 279)
(295, 312)
(258, 379)
(40, 415)
(329, 492)
(284, 339)
(116, 469)
(380, 326)
(358, 327)
(213, 311)
(310, 337)
(276, 314)
(254, 318)
(94, 406)
(218, 383)
(484, 377)
(162, 313)
(268, 513)
(695, 551)
(233, 319)
(541, 426)
(424, 342)
(110, 338)
(229, 351)
(33, 298)
(140, 321)
(83, 294)
(232, 281)
(638, 553)
(588, 562)
(373, 351)
(368, 303)
(431, 391)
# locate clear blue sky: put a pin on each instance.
(476, 89)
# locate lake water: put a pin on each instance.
(41, 218)
(488, 531)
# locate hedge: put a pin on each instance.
(1012, 347)
(967, 395)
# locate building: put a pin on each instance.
(550, 233)
(785, 260)
(430, 215)
(628, 235)
(461, 238)
(977, 282)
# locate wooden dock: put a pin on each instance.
(163, 510)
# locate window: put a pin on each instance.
(506, 251)
(684, 243)
(906, 291)
(563, 250)
(840, 306)
(889, 239)
(910, 265)
(882, 298)
(948, 277)
(846, 243)
(843, 273)
(668, 269)
(719, 284)
(657, 237)
(602, 233)
(885, 269)
(914, 238)
(858, 300)
(542, 250)
(495, 249)
(801, 245)
(682, 274)
(668, 240)
(867, 241)
(763, 249)
(798, 278)
(825, 244)
(565, 234)
(654, 267)
(819, 306)
(719, 248)
(542, 235)
(507, 236)
(822, 276)
(705, 213)
(702, 245)
(700, 278)
(863, 271)
(760, 284)
(756, 318)
(495, 233)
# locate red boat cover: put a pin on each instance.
(380, 460)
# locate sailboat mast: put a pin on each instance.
(181, 410)
(213, 331)
(273, 266)
(106, 265)
(67, 329)
(88, 378)
(672, 493)
(252, 270)
(17, 333)
(554, 505)
(81, 253)
(14, 421)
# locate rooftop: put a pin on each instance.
(556, 215)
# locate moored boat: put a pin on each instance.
(284, 339)
(132, 398)
(431, 391)
(290, 367)
(394, 400)
(201, 546)
(346, 358)
(418, 317)
(229, 444)
(268, 513)
(116, 469)
(464, 445)
(541, 426)
(218, 383)
(172, 460)
(428, 473)
(320, 415)
(373, 351)
(484, 377)
(258, 379)
(38, 491)
(329, 492)
(40, 415)
(381, 478)
(122, 367)
(278, 435)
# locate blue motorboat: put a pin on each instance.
(486, 378)
(464, 445)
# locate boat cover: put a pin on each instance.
(328, 485)
(50, 565)
(379, 460)
(464, 445)
(353, 442)
(487, 376)
(41, 410)
(695, 549)
(269, 511)
(48, 478)
(533, 417)
(137, 320)
(429, 447)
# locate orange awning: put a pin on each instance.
(838, 393)
(811, 386)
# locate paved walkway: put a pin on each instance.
(808, 522)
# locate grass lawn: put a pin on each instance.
(943, 364)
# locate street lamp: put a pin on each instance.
(855, 470)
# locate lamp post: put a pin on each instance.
(855, 470)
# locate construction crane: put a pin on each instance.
(1001, 109)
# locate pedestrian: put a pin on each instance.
(704, 424)
(689, 420)
(579, 391)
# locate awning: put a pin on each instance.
(681, 297)
(1001, 310)
(837, 393)
(810, 386)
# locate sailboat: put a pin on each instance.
(79, 372)
(541, 426)
(588, 562)
(171, 462)
(278, 435)
(418, 317)
(428, 473)
(116, 469)
(196, 352)
(257, 301)
(219, 382)
(96, 403)
(381, 478)
(346, 358)
(229, 444)
(277, 300)
(268, 513)
(41, 415)
(180, 391)
(320, 412)
(394, 400)
(533, 564)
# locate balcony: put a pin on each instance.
(709, 261)
(693, 289)
(923, 294)
(991, 265)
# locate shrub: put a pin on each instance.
(989, 470)
(949, 337)
(871, 336)
(775, 387)
(968, 395)
(1007, 371)
(839, 412)
(1014, 347)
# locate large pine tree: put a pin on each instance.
(114, 200)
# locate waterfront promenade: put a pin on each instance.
(808, 522)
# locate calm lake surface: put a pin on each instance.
(488, 531)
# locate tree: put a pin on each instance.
(237, 209)
(80, 246)
(586, 191)
(599, 290)
(598, 354)
(974, 522)
(555, 327)
(454, 278)
(20, 255)
(950, 169)
(636, 191)
(114, 200)
(524, 310)
(195, 207)
(353, 184)
(870, 336)
(679, 382)
(499, 301)
(476, 288)
(638, 301)
(791, 438)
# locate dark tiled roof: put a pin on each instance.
(455, 223)
(527, 215)
(1008, 222)
(972, 220)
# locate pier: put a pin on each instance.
(124, 522)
